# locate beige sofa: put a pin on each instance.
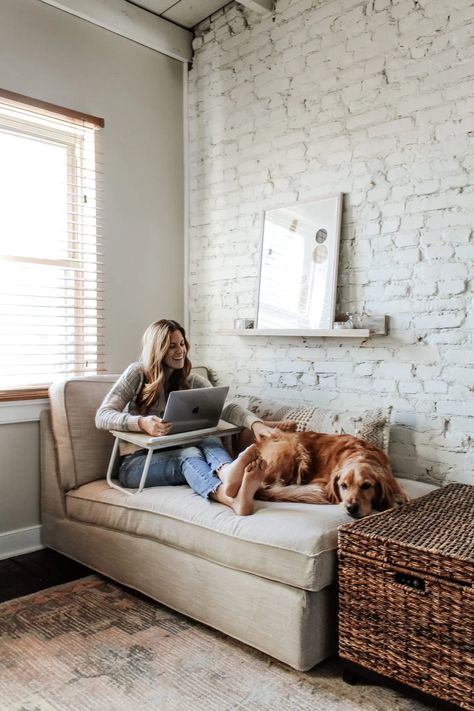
(268, 580)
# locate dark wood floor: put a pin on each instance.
(25, 574)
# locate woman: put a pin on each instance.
(136, 404)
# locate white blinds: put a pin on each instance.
(51, 310)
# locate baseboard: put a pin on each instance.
(24, 540)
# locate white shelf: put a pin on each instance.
(304, 333)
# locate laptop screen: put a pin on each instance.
(195, 409)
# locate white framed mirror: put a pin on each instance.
(298, 266)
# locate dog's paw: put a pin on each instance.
(401, 498)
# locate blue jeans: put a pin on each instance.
(195, 466)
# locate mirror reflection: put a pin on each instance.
(298, 270)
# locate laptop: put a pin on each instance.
(195, 409)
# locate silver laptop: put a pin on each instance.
(195, 409)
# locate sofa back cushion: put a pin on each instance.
(373, 425)
(82, 451)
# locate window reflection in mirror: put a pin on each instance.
(298, 270)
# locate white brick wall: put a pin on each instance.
(372, 98)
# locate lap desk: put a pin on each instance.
(152, 444)
(268, 580)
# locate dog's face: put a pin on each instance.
(358, 488)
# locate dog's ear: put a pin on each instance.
(388, 494)
(384, 495)
(332, 489)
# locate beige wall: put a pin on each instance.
(51, 55)
(19, 476)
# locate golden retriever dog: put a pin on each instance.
(318, 468)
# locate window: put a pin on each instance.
(51, 313)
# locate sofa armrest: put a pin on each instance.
(52, 496)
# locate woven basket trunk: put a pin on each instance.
(407, 594)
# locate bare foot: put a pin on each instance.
(232, 474)
(253, 478)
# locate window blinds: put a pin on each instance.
(51, 299)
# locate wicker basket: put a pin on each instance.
(407, 594)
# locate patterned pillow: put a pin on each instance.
(372, 425)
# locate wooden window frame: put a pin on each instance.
(37, 392)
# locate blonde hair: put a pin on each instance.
(155, 344)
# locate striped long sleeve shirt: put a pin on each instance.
(119, 411)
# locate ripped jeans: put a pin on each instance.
(195, 466)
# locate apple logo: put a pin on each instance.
(195, 410)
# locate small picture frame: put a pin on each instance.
(241, 324)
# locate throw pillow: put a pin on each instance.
(373, 425)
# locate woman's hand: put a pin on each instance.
(154, 426)
(261, 431)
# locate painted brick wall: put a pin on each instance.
(375, 99)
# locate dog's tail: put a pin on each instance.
(303, 494)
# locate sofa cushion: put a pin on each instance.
(289, 543)
(82, 451)
(373, 425)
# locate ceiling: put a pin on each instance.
(186, 13)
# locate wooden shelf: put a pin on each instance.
(302, 333)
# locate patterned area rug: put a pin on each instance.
(90, 644)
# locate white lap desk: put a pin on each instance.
(151, 444)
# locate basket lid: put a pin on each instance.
(434, 533)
